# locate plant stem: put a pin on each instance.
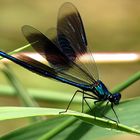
(40, 94)
(135, 77)
(17, 50)
(20, 90)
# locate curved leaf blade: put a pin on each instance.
(21, 112)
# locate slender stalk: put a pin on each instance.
(132, 79)
(70, 121)
(17, 50)
(40, 94)
(20, 90)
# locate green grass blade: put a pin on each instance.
(21, 92)
(18, 50)
(41, 94)
(33, 131)
(21, 112)
(132, 79)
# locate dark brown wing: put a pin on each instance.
(72, 39)
(52, 53)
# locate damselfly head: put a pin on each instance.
(115, 98)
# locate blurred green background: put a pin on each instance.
(111, 26)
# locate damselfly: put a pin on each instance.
(63, 51)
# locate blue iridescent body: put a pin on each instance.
(63, 51)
